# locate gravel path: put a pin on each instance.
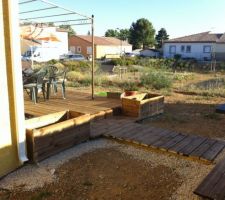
(31, 177)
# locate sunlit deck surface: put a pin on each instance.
(75, 101)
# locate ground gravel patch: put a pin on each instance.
(186, 173)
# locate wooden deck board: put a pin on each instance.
(76, 101)
(188, 145)
(213, 151)
(213, 185)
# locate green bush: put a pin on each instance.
(75, 76)
(156, 80)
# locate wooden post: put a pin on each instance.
(93, 58)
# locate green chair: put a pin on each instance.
(57, 79)
(37, 85)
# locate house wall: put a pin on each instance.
(100, 50)
(48, 50)
(220, 52)
(196, 50)
(63, 45)
(76, 42)
(12, 132)
(103, 50)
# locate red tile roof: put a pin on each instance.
(199, 38)
(105, 41)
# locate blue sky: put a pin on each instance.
(179, 17)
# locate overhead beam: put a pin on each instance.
(48, 16)
(70, 20)
(53, 4)
(37, 10)
(25, 2)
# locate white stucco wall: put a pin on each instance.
(51, 49)
(220, 48)
(196, 50)
(102, 51)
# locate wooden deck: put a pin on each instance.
(196, 147)
(75, 101)
(213, 186)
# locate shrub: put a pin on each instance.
(75, 76)
(52, 62)
(156, 80)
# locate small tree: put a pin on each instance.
(124, 34)
(112, 33)
(160, 37)
(69, 29)
(142, 34)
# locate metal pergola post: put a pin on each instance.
(93, 57)
(82, 20)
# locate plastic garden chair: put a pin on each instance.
(57, 79)
(38, 85)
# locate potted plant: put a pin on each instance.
(130, 89)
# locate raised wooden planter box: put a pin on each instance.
(143, 105)
(50, 134)
(114, 95)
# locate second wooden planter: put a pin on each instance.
(143, 105)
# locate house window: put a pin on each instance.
(89, 50)
(188, 49)
(172, 49)
(78, 49)
(182, 48)
(73, 49)
(207, 49)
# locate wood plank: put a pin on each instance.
(210, 181)
(179, 146)
(202, 148)
(76, 101)
(153, 138)
(164, 139)
(196, 142)
(213, 151)
(119, 130)
(218, 191)
(172, 142)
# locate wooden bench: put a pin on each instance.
(213, 186)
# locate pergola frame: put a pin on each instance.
(76, 19)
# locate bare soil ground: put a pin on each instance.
(105, 169)
(106, 174)
(192, 115)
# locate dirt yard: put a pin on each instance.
(117, 171)
(193, 115)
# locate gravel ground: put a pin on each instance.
(30, 177)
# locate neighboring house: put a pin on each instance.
(202, 46)
(150, 53)
(47, 42)
(108, 47)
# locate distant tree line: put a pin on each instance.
(141, 34)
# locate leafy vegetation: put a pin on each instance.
(161, 37)
(142, 34)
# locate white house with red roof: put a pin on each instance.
(201, 46)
